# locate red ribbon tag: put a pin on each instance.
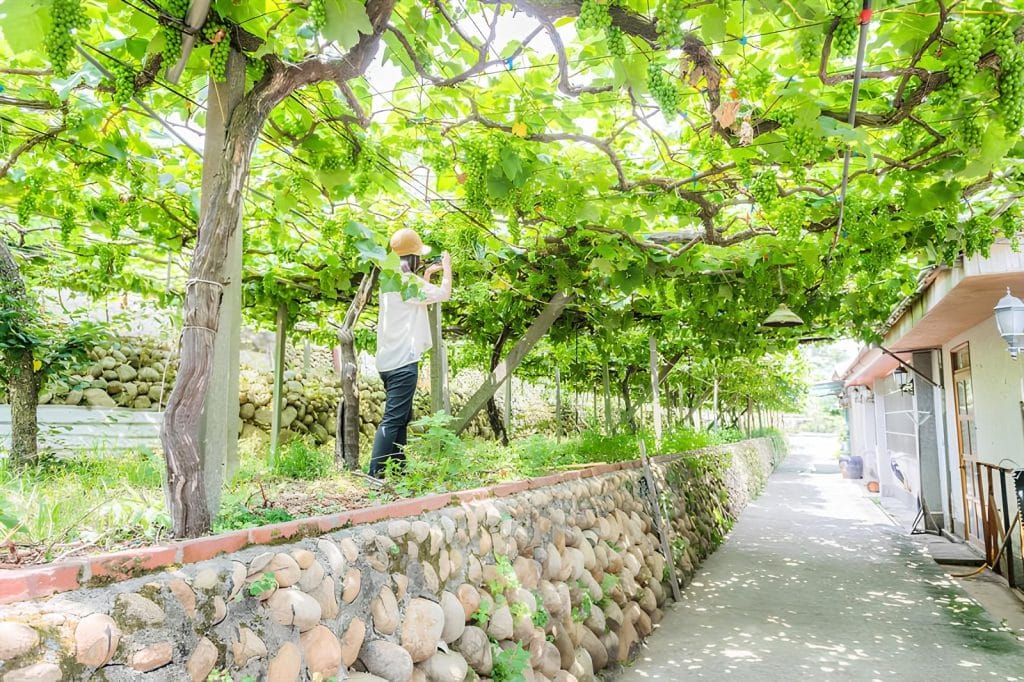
(865, 16)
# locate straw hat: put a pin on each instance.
(406, 242)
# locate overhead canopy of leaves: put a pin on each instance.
(677, 165)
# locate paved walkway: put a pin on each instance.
(816, 583)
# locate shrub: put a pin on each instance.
(299, 459)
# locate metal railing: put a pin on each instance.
(1000, 521)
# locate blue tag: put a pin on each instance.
(743, 40)
(508, 63)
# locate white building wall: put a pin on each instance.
(997, 385)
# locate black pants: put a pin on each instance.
(399, 386)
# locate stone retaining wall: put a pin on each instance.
(560, 576)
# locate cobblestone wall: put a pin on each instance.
(561, 576)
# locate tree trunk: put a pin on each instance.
(628, 416)
(552, 311)
(23, 384)
(218, 445)
(493, 414)
(346, 442)
(180, 435)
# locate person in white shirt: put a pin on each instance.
(403, 335)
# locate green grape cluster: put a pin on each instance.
(968, 135)
(124, 83)
(968, 37)
(480, 156)
(29, 202)
(65, 16)
(663, 91)
(67, 223)
(753, 84)
(763, 188)
(172, 35)
(318, 13)
(216, 35)
(844, 39)
(670, 15)
(1011, 84)
(802, 143)
(788, 218)
(711, 147)
(594, 15)
(561, 206)
(616, 41)
(255, 68)
(808, 45)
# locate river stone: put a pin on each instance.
(397, 529)
(353, 581)
(430, 578)
(292, 607)
(285, 569)
(598, 652)
(96, 640)
(97, 397)
(436, 539)
(387, 660)
(247, 646)
(563, 642)
(152, 657)
(444, 564)
(349, 549)
(582, 667)
(475, 571)
(422, 628)
(138, 612)
(385, 612)
(200, 663)
(550, 659)
(304, 558)
(401, 585)
(40, 672)
(286, 664)
(527, 571)
(352, 641)
(627, 640)
(596, 621)
(185, 596)
(322, 652)
(363, 677)
(454, 618)
(469, 597)
(16, 640)
(500, 625)
(445, 667)
(327, 597)
(311, 577)
(334, 557)
(476, 648)
(125, 373)
(420, 530)
(238, 575)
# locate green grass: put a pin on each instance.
(98, 502)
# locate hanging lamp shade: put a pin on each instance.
(783, 317)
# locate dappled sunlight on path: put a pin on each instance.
(816, 583)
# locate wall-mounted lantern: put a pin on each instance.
(1010, 320)
(901, 376)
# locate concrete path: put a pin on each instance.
(816, 583)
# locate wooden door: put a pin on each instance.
(967, 440)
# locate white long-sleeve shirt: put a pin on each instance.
(403, 329)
